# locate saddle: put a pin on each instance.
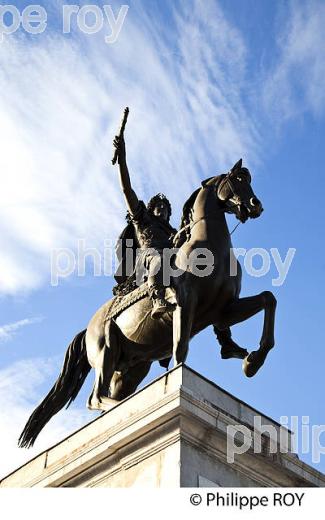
(125, 300)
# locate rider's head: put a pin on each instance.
(160, 206)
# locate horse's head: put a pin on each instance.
(233, 192)
(236, 192)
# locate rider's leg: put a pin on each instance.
(156, 287)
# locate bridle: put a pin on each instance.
(235, 199)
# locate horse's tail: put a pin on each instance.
(73, 374)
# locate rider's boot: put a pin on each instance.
(160, 304)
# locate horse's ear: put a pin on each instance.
(237, 166)
(208, 182)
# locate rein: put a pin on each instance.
(235, 228)
(191, 226)
(203, 218)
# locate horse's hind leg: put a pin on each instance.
(105, 363)
(182, 325)
(124, 384)
(99, 398)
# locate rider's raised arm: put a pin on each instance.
(131, 198)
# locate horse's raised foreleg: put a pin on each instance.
(229, 349)
(244, 308)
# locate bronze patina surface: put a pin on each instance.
(155, 322)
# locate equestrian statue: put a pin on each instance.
(152, 317)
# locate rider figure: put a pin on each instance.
(152, 230)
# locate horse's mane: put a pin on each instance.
(188, 208)
(186, 218)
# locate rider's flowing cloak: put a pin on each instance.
(126, 238)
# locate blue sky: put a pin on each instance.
(207, 83)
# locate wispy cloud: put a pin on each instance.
(295, 82)
(8, 331)
(19, 394)
(60, 105)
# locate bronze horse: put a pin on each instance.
(121, 350)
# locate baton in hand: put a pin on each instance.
(121, 133)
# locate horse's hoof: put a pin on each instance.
(253, 362)
(103, 404)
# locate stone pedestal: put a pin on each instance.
(172, 433)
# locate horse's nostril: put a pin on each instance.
(255, 202)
